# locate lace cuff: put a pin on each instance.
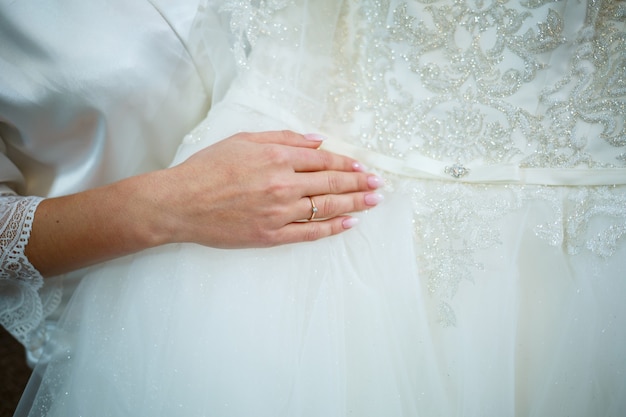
(24, 302)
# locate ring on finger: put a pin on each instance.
(313, 208)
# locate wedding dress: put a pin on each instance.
(491, 280)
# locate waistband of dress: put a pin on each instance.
(421, 167)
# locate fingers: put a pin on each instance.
(266, 198)
(331, 205)
(310, 160)
(310, 231)
(304, 155)
(334, 182)
(329, 219)
(289, 138)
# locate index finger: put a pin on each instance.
(304, 154)
(288, 138)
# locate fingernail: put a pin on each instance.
(349, 222)
(373, 199)
(374, 181)
(314, 136)
(358, 167)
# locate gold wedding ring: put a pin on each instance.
(313, 208)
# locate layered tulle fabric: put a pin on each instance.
(460, 295)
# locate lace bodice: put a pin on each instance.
(518, 93)
(538, 83)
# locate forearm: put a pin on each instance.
(82, 229)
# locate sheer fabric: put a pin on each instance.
(489, 282)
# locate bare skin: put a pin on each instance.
(249, 190)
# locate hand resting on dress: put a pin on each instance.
(249, 190)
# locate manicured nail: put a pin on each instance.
(373, 199)
(374, 181)
(315, 137)
(358, 167)
(350, 222)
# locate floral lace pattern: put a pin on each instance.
(467, 64)
(452, 222)
(455, 221)
(445, 80)
(24, 302)
(250, 19)
(15, 224)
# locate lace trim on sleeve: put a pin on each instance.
(24, 302)
(16, 218)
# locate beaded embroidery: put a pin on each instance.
(468, 63)
(477, 83)
(250, 19)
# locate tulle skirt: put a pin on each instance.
(345, 326)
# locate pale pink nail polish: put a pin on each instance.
(373, 199)
(314, 137)
(374, 181)
(358, 167)
(350, 222)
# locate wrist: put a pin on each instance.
(162, 204)
(145, 210)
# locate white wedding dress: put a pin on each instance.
(491, 280)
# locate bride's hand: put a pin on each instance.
(253, 189)
(250, 190)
